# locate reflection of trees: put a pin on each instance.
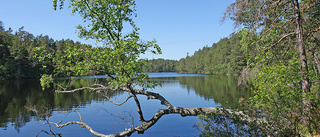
(14, 96)
(221, 88)
(17, 95)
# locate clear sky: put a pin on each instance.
(179, 26)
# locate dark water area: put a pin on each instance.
(183, 90)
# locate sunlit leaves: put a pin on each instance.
(55, 4)
(119, 58)
(277, 91)
(104, 19)
(45, 81)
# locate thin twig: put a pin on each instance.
(121, 118)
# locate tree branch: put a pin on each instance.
(139, 110)
(103, 22)
(119, 104)
(83, 124)
(152, 95)
(311, 32)
(274, 44)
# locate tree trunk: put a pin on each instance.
(303, 60)
(316, 59)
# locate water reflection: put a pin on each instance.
(223, 89)
(17, 95)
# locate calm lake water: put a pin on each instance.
(184, 90)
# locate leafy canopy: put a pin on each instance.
(119, 58)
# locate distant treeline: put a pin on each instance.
(224, 57)
(161, 65)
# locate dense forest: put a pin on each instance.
(224, 57)
(18, 50)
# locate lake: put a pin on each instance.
(183, 90)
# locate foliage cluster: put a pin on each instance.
(119, 58)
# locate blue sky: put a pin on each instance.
(179, 26)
